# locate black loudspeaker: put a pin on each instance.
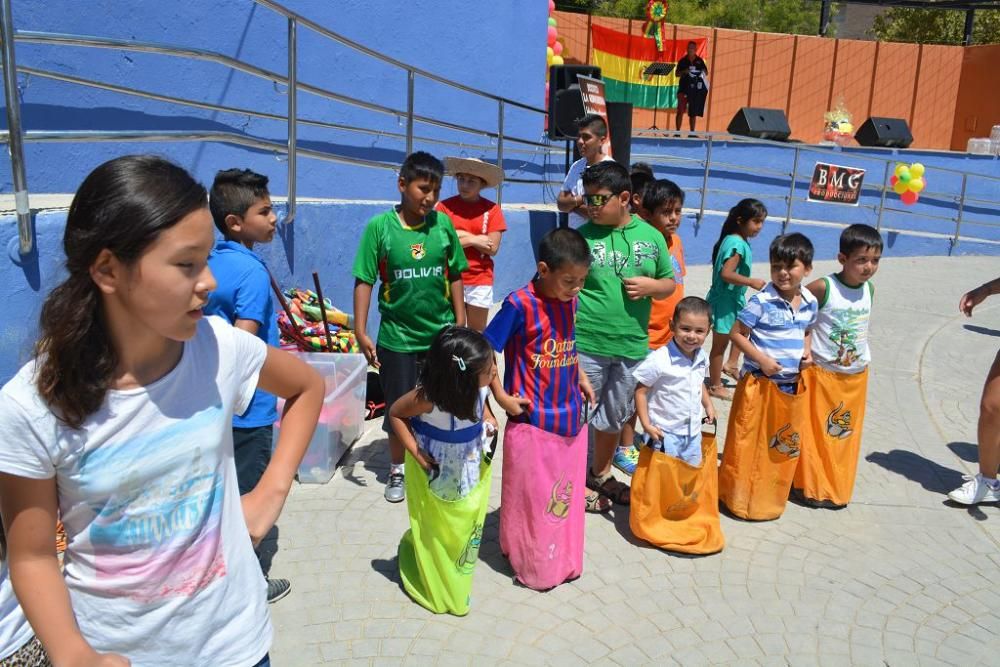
(565, 100)
(892, 132)
(620, 126)
(760, 123)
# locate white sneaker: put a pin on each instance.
(975, 490)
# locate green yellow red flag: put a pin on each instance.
(623, 58)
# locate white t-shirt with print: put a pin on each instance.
(159, 563)
(675, 388)
(14, 628)
(574, 185)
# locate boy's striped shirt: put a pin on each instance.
(777, 330)
(537, 338)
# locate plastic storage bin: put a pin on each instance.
(342, 419)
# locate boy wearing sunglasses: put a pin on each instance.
(631, 267)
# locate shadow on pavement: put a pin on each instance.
(389, 568)
(981, 330)
(489, 552)
(966, 451)
(932, 476)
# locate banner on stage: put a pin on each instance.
(595, 102)
(834, 184)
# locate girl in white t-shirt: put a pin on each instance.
(122, 424)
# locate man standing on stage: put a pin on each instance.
(692, 88)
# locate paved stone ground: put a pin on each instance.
(900, 577)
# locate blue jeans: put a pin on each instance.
(265, 661)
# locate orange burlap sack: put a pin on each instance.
(675, 506)
(763, 442)
(829, 460)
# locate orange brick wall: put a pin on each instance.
(945, 93)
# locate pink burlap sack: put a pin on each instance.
(542, 504)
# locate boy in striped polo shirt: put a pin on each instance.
(772, 330)
(545, 444)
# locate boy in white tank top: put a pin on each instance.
(838, 383)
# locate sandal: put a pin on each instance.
(730, 372)
(720, 392)
(618, 492)
(596, 503)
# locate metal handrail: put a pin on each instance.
(14, 137)
(711, 137)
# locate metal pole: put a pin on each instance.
(824, 17)
(500, 114)
(970, 18)
(293, 94)
(885, 190)
(961, 206)
(409, 111)
(791, 192)
(25, 226)
(704, 180)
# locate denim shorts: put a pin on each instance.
(614, 385)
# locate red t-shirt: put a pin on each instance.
(663, 309)
(482, 217)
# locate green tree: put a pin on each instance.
(783, 16)
(935, 26)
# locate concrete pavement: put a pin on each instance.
(897, 578)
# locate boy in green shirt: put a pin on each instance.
(631, 267)
(415, 252)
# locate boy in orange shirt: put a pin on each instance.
(664, 201)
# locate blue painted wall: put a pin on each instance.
(496, 47)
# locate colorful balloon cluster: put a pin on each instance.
(908, 182)
(554, 50)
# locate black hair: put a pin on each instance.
(659, 193)
(745, 209)
(563, 246)
(450, 375)
(787, 248)
(856, 237)
(233, 193)
(643, 168)
(421, 166)
(122, 206)
(692, 305)
(693, 43)
(639, 181)
(607, 174)
(594, 122)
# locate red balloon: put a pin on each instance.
(552, 6)
(893, 179)
(557, 48)
(552, 36)
(909, 197)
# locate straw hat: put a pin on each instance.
(492, 174)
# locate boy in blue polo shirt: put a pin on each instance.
(241, 209)
(772, 330)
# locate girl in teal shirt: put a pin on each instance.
(731, 260)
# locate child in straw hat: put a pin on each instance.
(479, 223)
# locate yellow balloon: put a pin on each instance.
(915, 184)
(557, 60)
(917, 171)
(549, 53)
(900, 168)
(900, 187)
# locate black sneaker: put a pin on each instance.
(277, 589)
(394, 490)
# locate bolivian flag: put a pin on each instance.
(623, 58)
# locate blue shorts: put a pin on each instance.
(681, 446)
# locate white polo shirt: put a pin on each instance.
(675, 388)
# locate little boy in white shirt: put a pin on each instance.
(671, 389)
